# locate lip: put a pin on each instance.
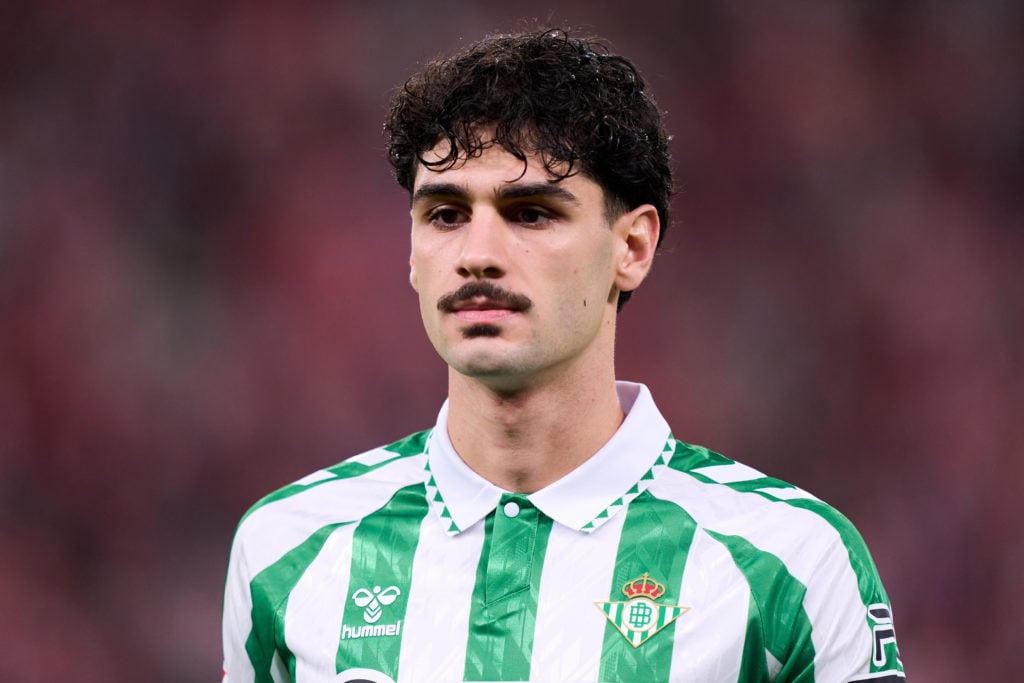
(478, 303)
(481, 309)
(483, 315)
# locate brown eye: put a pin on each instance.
(530, 215)
(446, 217)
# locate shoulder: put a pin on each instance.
(732, 495)
(744, 508)
(794, 550)
(392, 463)
(334, 496)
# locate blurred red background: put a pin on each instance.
(203, 291)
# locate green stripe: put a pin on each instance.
(753, 665)
(270, 590)
(410, 446)
(656, 538)
(869, 584)
(779, 598)
(689, 457)
(383, 546)
(414, 444)
(503, 610)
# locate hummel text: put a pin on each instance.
(371, 631)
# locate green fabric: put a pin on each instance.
(409, 446)
(688, 457)
(414, 444)
(754, 664)
(656, 539)
(779, 598)
(270, 590)
(868, 582)
(504, 602)
(380, 575)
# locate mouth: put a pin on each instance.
(482, 311)
(484, 304)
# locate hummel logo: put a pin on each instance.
(374, 602)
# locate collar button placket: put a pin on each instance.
(510, 557)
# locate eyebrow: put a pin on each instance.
(518, 191)
(434, 190)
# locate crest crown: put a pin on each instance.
(643, 586)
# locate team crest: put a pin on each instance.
(639, 617)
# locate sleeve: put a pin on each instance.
(854, 637)
(249, 628)
(237, 618)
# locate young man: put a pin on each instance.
(549, 527)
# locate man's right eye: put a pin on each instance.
(446, 217)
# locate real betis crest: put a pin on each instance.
(639, 617)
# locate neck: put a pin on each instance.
(525, 439)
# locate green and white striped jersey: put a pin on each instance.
(654, 561)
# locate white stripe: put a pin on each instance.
(279, 670)
(569, 634)
(788, 493)
(615, 612)
(314, 477)
(436, 623)
(275, 528)
(811, 550)
(374, 457)
(237, 621)
(312, 622)
(774, 665)
(709, 638)
(731, 473)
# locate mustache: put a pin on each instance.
(486, 290)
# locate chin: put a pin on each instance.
(487, 356)
(483, 365)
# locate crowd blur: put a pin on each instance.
(203, 291)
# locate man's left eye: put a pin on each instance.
(530, 215)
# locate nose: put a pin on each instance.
(484, 251)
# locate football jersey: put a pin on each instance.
(654, 561)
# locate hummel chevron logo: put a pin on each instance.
(374, 602)
(639, 617)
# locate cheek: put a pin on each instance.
(596, 275)
(584, 289)
(420, 268)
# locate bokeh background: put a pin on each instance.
(203, 291)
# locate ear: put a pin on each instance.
(639, 230)
(412, 273)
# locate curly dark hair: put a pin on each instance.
(566, 99)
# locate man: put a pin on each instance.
(549, 527)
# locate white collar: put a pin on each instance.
(583, 499)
